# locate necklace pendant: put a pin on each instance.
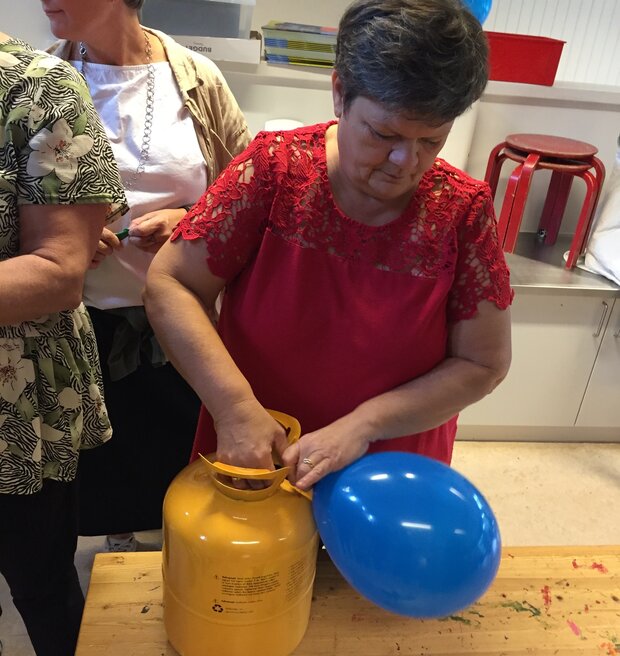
(148, 112)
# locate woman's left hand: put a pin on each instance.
(151, 230)
(324, 451)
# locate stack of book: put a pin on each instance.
(296, 43)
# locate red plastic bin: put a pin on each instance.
(523, 58)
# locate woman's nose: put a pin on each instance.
(404, 154)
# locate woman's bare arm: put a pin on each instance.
(179, 298)
(478, 359)
(57, 243)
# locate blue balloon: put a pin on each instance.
(479, 8)
(409, 533)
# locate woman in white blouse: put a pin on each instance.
(174, 125)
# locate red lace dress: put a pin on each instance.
(322, 312)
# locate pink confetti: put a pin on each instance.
(600, 567)
(546, 593)
(575, 565)
(574, 628)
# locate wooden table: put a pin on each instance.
(545, 600)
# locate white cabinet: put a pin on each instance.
(601, 403)
(555, 337)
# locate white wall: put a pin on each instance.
(25, 20)
(589, 27)
(504, 109)
(594, 123)
(262, 98)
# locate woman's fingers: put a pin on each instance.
(150, 231)
(108, 242)
(311, 470)
(323, 451)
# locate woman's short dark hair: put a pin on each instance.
(134, 4)
(425, 57)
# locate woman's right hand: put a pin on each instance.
(108, 243)
(246, 436)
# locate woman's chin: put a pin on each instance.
(392, 190)
(57, 27)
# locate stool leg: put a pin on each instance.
(516, 215)
(585, 219)
(582, 232)
(494, 166)
(509, 197)
(599, 168)
(555, 204)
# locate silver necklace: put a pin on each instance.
(148, 112)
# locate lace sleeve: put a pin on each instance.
(481, 272)
(232, 214)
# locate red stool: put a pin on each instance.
(566, 158)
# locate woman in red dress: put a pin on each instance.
(365, 291)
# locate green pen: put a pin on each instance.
(122, 234)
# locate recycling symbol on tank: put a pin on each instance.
(217, 608)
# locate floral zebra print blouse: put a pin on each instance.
(53, 150)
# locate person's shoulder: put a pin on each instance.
(203, 64)
(293, 153)
(291, 145)
(458, 180)
(281, 149)
(61, 48)
(193, 62)
(40, 67)
(17, 56)
(298, 137)
(60, 75)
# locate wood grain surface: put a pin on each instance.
(544, 601)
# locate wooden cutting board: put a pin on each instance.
(545, 601)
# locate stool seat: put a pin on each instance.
(567, 159)
(553, 163)
(550, 146)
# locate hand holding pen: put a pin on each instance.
(147, 232)
(151, 230)
(108, 243)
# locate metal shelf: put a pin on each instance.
(535, 265)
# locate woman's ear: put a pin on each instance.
(337, 94)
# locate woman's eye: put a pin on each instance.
(380, 135)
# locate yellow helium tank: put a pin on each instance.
(238, 565)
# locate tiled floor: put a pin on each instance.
(542, 494)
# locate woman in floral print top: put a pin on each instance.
(58, 186)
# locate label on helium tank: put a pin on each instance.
(239, 599)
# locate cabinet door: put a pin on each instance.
(555, 339)
(601, 403)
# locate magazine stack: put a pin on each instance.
(296, 43)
